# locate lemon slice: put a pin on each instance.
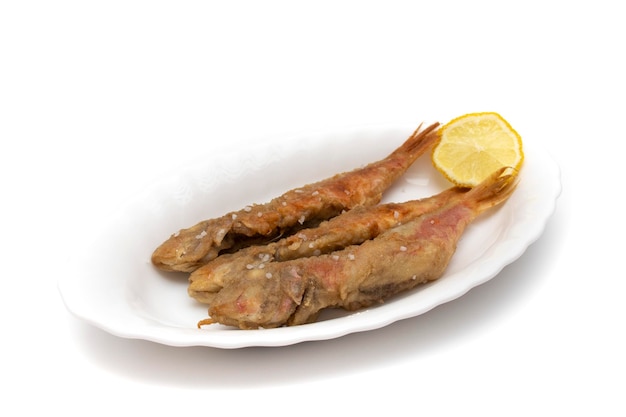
(475, 145)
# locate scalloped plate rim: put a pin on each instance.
(78, 295)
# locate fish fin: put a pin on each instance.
(495, 189)
(419, 140)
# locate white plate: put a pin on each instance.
(113, 285)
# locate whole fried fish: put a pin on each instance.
(293, 292)
(190, 248)
(350, 228)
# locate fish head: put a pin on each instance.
(260, 299)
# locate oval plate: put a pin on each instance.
(112, 284)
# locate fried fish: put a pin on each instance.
(351, 228)
(293, 292)
(190, 248)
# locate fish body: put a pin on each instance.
(294, 291)
(190, 248)
(350, 228)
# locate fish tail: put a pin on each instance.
(418, 142)
(494, 190)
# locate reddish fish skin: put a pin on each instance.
(190, 248)
(350, 228)
(293, 292)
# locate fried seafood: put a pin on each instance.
(351, 228)
(293, 292)
(190, 248)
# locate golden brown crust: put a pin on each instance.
(294, 291)
(351, 228)
(190, 248)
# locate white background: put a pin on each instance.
(99, 98)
